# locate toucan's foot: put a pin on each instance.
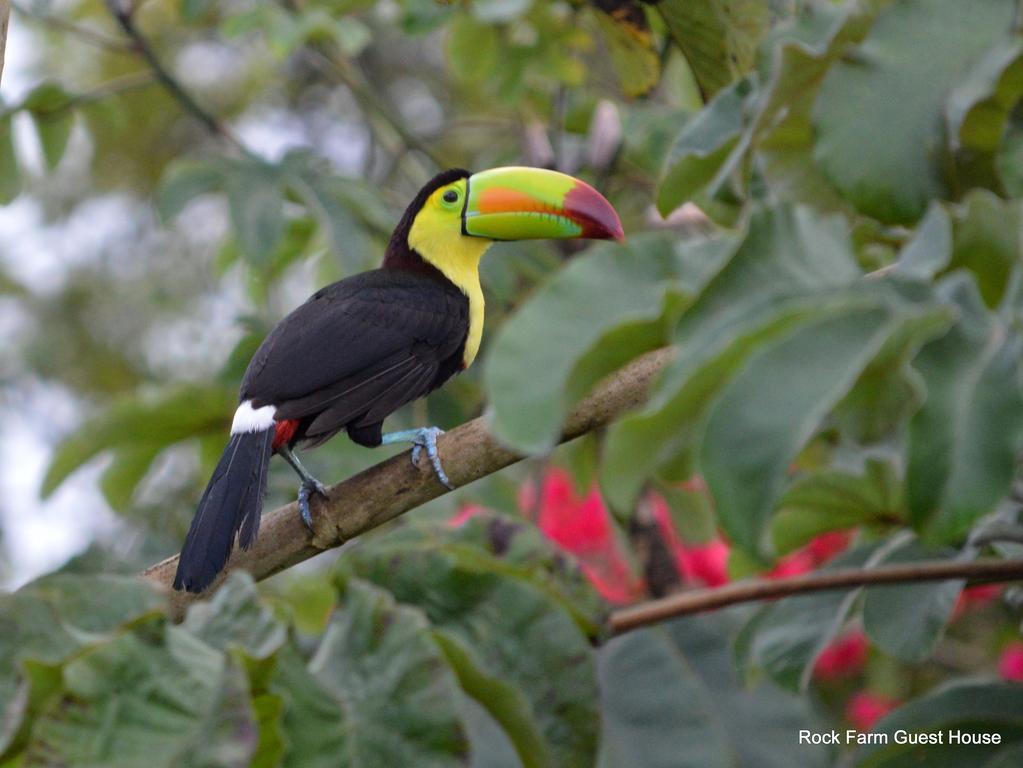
(309, 486)
(424, 437)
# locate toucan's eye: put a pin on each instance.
(451, 196)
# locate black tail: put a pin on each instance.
(231, 502)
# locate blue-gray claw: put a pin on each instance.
(309, 487)
(424, 437)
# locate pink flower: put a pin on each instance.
(844, 657)
(703, 565)
(1010, 664)
(975, 597)
(824, 547)
(582, 526)
(864, 709)
(464, 515)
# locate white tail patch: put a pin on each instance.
(249, 419)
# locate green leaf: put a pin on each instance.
(703, 147)
(773, 406)
(489, 744)
(785, 271)
(50, 619)
(182, 182)
(255, 196)
(377, 692)
(10, 175)
(142, 701)
(979, 106)
(908, 620)
(598, 313)
(692, 513)
(631, 44)
(970, 706)
(51, 109)
(930, 249)
(671, 699)
(180, 413)
(887, 81)
(119, 481)
(718, 37)
(235, 617)
(964, 439)
(787, 636)
(472, 48)
(987, 242)
(517, 651)
(327, 198)
(833, 500)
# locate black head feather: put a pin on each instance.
(399, 255)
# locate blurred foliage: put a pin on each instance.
(822, 202)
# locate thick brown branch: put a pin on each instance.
(701, 600)
(393, 487)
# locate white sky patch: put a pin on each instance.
(40, 535)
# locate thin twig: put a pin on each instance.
(371, 102)
(395, 486)
(122, 13)
(702, 600)
(88, 35)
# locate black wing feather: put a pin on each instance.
(360, 349)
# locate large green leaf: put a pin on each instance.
(255, 194)
(671, 699)
(148, 700)
(703, 147)
(718, 37)
(235, 618)
(900, 78)
(135, 425)
(595, 315)
(964, 440)
(377, 692)
(907, 620)
(786, 270)
(182, 182)
(969, 706)
(832, 500)
(327, 199)
(516, 651)
(775, 404)
(50, 619)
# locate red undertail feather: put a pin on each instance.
(284, 430)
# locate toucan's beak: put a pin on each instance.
(531, 203)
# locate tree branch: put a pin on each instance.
(702, 600)
(395, 486)
(86, 34)
(5, 15)
(122, 13)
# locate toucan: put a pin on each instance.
(364, 346)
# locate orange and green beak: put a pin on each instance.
(532, 203)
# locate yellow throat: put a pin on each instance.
(458, 258)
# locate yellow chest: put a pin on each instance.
(458, 259)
